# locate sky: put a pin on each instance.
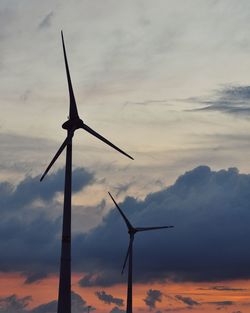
(168, 82)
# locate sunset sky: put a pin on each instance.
(169, 83)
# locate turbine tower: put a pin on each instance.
(71, 125)
(132, 231)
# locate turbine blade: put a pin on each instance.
(122, 214)
(126, 258)
(60, 150)
(72, 103)
(92, 132)
(152, 228)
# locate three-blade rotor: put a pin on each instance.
(132, 230)
(74, 122)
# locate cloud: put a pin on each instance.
(31, 151)
(50, 307)
(31, 189)
(123, 188)
(187, 300)
(117, 310)
(222, 303)
(211, 225)
(46, 22)
(34, 277)
(230, 99)
(153, 296)
(223, 288)
(79, 304)
(147, 102)
(13, 304)
(178, 309)
(210, 212)
(29, 235)
(109, 299)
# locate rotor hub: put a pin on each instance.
(72, 124)
(132, 231)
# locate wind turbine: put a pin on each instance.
(71, 125)
(132, 231)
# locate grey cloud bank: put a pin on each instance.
(209, 209)
(27, 231)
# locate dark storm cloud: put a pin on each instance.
(187, 300)
(28, 236)
(14, 304)
(109, 299)
(210, 212)
(231, 99)
(152, 297)
(46, 22)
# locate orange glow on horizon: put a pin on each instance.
(46, 290)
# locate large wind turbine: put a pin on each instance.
(132, 231)
(73, 123)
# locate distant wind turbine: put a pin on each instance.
(132, 231)
(73, 123)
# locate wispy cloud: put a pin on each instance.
(123, 188)
(187, 300)
(148, 102)
(232, 99)
(222, 288)
(222, 303)
(46, 22)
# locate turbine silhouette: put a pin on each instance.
(73, 123)
(132, 231)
